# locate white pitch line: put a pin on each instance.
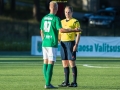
(90, 66)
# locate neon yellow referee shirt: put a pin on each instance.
(71, 24)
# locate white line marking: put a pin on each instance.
(90, 66)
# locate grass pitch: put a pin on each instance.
(25, 73)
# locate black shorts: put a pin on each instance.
(66, 50)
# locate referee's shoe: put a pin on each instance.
(73, 85)
(64, 84)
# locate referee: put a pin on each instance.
(69, 43)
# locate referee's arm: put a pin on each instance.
(77, 38)
(77, 24)
(62, 30)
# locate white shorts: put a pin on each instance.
(49, 53)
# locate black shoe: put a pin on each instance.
(64, 84)
(73, 85)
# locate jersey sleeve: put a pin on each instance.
(77, 25)
(58, 23)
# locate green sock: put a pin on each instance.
(49, 74)
(45, 70)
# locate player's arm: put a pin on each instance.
(41, 29)
(41, 33)
(59, 37)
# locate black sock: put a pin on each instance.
(66, 71)
(74, 71)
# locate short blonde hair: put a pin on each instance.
(54, 4)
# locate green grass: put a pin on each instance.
(25, 73)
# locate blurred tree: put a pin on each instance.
(36, 10)
(12, 5)
(1, 6)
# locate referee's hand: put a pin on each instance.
(78, 30)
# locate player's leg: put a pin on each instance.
(45, 62)
(52, 53)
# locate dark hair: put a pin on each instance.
(69, 8)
